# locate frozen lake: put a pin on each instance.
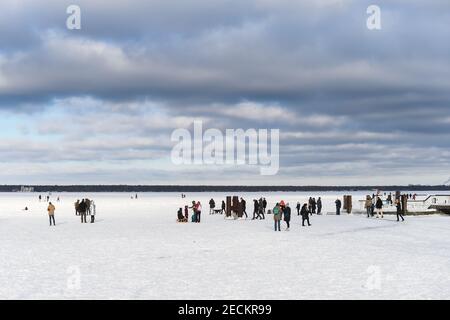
(136, 250)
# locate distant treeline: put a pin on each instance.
(205, 188)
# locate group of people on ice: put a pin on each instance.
(313, 206)
(259, 208)
(374, 205)
(47, 198)
(196, 208)
(282, 211)
(84, 208)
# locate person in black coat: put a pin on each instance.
(181, 217)
(82, 208)
(305, 214)
(244, 207)
(379, 207)
(255, 210)
(398, 204)
(338, 207)
(313, 205)
(298, 208)
(262, 210)
(319, 206)
(310, 205)
(264, 205)
(287, 216)
(223, 207)
(186, 213)
(212, 205)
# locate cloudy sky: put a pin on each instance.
(98, 105)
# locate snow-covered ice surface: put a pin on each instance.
(136, 250)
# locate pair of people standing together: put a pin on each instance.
(314, 205)
(279, 211)
(196, 211)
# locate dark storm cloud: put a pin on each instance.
(267, 54)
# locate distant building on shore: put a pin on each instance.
(26, 189)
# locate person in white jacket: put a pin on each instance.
(93, 211)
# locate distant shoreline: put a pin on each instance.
(207, 188)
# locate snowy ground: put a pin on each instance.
(137, 251)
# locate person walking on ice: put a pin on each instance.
(305, 215)
(223, 207)
(255, 209)
(51, 213)
(379, 207)
(262, 209)
(244, 207)
(264, 205)
(277, 217)
(398, 204)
